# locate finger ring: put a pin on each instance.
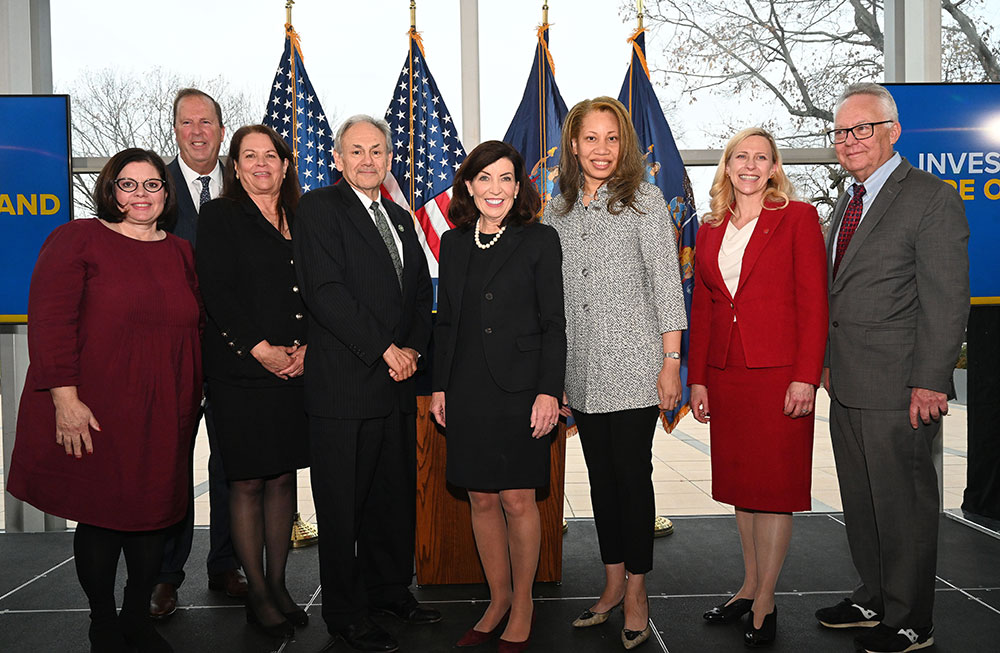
(552, 423)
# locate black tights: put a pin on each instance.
(96, 552)
(262, 511)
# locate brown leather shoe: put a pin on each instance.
(163, 601)
(231, 582)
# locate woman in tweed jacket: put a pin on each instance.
(624, 317)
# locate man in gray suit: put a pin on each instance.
(899, 300)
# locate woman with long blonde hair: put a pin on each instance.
(758, 332)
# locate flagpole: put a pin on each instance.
(413, 33)
(640, 13)
(289, 30)
(542, 119)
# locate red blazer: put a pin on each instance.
(780, 307)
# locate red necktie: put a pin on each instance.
(852, 217)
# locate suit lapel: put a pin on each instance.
(359, 216)
(762, 232)
(509, 241)
(461, 251)
(710, 258)
(886, 196)
(185, 205)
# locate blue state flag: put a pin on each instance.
(666, 170)
(537, 125)
(294, 111)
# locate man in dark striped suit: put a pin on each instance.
(365, 281)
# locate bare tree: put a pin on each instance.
(113, 110)
(800, 54)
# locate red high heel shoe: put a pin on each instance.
(473, 637)
(516, 647)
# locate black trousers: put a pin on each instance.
(618, 448)
(177, 546)
(364, 486)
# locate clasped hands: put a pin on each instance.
(283, 362)
(402, 362)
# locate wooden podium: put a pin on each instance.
(445, 548)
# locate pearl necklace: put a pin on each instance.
(493, 242)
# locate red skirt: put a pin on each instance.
(761, 458)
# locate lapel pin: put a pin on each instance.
(400, 227)
(766, 230)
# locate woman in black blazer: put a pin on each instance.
(254, 354)
(500, 360)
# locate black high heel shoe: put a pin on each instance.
(727, 613)
(298, 618)
(763, 636)
(283, 629)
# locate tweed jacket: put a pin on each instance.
(622, 292)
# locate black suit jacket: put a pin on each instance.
(250, 291)
(186, 219)
(357, 308)
(524, 323)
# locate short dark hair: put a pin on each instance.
(104, 189)
(462, 210)
(189, 92)
(232, 188)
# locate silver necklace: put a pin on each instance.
(492, 242)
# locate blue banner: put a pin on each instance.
(953, 131)
(35, 189)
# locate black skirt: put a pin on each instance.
(262, 431)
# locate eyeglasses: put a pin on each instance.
(860, 132)
(129, 185)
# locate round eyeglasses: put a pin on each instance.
(129, 185)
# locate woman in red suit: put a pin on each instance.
(758, 332)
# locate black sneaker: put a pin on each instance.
(848, 614)
(886, 639)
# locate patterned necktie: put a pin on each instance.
(383, 228)
(205, 195)
(852, 217)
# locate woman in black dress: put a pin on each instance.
(253, 353)
(500, 360)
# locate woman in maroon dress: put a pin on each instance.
(758, 331)
(111, 396)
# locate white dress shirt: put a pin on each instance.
(367, 203)
(194, 186)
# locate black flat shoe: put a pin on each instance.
(282, 629)
(727, 614)
(763, 636)
(297, 618)
(366, 635)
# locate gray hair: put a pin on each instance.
(380, 124)
(875, 90)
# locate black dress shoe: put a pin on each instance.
(727, 614)
(298, 618)
(280, 630)
(763, 636)
(409, 611)
(365, 635)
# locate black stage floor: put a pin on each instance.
(42, 607)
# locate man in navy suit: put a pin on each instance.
(197, 176)
(365, 281)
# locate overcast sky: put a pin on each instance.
(353, 50)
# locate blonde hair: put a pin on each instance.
(630, 169)
(779, 189)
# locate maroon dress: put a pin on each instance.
(118, 318)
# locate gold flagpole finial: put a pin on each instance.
(545, 13)
(640, 14)
(288, 11)
(413, 14)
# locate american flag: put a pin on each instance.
(426, 151)
(294, 111)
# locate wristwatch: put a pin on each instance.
(676, 355)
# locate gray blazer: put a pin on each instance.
(900, 302)
(622, 290)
